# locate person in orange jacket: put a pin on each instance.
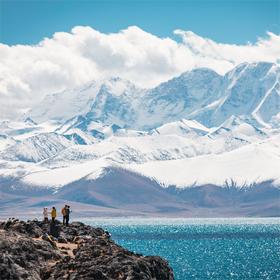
(63, 212)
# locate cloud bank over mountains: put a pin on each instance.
(29, 72)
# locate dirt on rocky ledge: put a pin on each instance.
(27, 251)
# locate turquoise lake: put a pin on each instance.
(204, 248)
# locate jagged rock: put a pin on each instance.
(31, 228)
(23, 257)
(87, 253)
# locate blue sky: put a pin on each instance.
(228, 21)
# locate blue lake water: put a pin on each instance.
(204, 248)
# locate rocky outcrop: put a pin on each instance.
(22, 257)
(80, 252)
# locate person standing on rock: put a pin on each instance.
(67, 214)
(63, 212)
(45, 214)
(53, 214)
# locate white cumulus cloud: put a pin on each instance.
(29, 72)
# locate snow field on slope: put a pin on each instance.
(255, 163)
(59, 177)
(247, 165)
(142, 148)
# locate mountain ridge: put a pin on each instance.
(186, 96)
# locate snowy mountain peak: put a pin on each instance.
(36, 148)
(183, 127)
(118, 86)
(29, 121)
(237, 128)
(198, 73)
(79, 101)
(250, 90)
(232, 121)
(255, 68)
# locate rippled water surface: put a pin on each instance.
(204, 248)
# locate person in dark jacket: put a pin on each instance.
(67, 214)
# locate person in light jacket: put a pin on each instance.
(45, 214)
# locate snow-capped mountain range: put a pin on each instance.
(250, 91)
(198, 129)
